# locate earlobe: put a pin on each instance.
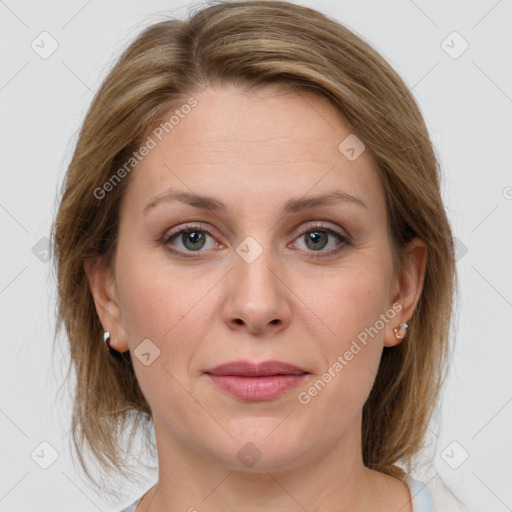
(103, 291)
(410, 286)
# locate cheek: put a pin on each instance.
(347, 300)
(336, 395)
(159, 306)
(154, 299)
(145, 308)
(166, 305)
(351, 303)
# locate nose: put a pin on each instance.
(257, 298)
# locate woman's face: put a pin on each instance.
(269, 273)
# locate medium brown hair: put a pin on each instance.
(252, 44)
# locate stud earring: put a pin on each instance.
(106, 339)
(403, 330)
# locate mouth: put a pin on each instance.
(256, 381)
(252, 369)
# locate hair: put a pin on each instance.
(250, 45)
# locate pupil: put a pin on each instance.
(195, 237)
(316, 236)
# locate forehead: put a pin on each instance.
(265, 145)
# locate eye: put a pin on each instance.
(191, 238)
(318, 237)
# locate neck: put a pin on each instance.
(335, 480)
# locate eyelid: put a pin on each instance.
(189, 226)
(323, 225)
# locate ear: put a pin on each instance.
(103, 290)
(407, 287)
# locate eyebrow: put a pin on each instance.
(291, 206)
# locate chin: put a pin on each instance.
(258, 444)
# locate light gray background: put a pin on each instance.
(467, 104)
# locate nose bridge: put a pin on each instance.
(257, 295)
(253, 262)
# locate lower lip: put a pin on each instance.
(257, 388)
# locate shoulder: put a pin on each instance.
(420, 496)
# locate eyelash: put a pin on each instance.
(345, 241)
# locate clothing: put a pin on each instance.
(421, 498)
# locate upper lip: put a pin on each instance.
(254, 369)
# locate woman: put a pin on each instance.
(252, 221)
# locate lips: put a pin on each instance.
(250, 381)
(250, 369)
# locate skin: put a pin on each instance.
(254, 151)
